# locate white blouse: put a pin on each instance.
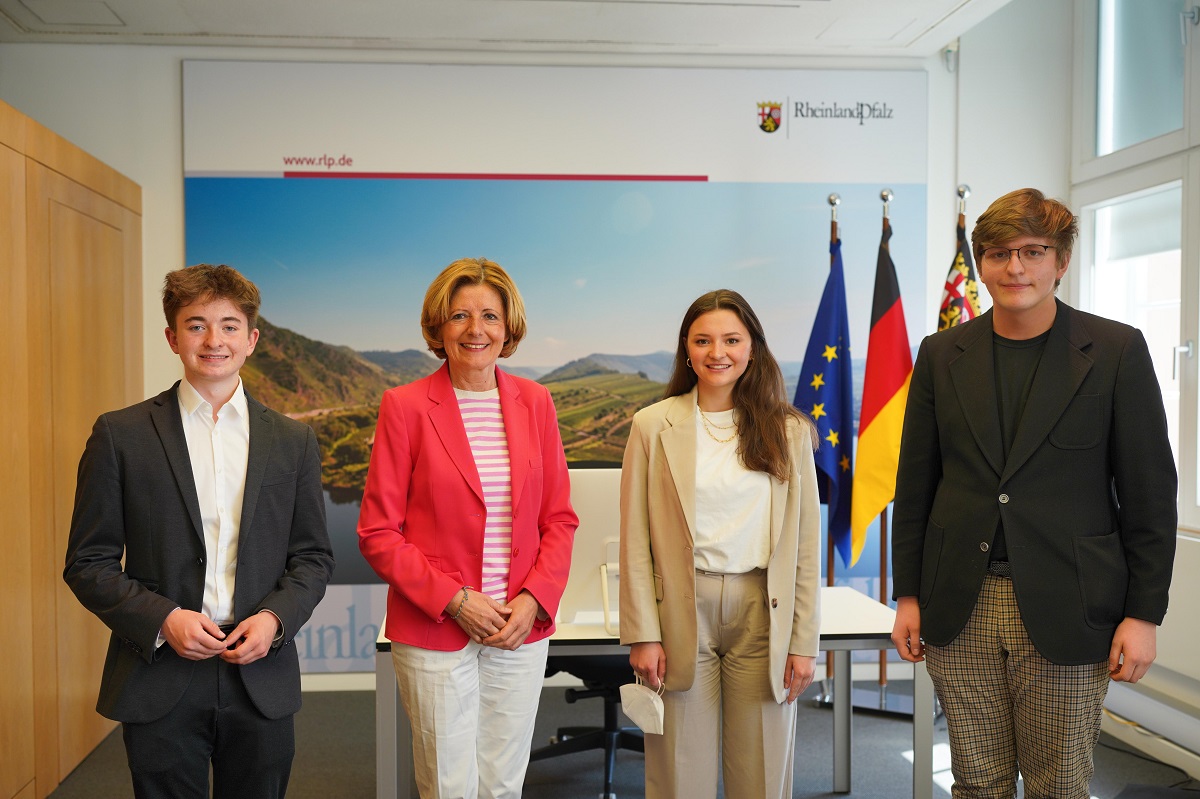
(733, 503)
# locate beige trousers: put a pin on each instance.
(729, 716)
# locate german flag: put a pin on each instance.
(885, 391)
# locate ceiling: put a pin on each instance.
(761, 29)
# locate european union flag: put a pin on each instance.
(825, 392)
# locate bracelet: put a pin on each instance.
(461, 605)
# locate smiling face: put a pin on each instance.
(1022, 295)
(473, 336)
(718, 345)
(213, 339)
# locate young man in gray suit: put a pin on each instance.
(199, 539)
(1034, 524)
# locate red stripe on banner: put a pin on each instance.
(492, 176)
(889, 362)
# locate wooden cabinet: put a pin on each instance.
(70, 314)
(16, 597)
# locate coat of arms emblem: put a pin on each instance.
(770, 116)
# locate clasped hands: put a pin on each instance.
(490, 623)
(195, 636)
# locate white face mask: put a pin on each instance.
(643, 705)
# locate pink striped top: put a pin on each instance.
(485, 431)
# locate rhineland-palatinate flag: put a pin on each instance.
(825, 392)
(960, 301)
(885, 391)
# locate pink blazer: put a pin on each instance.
(421, 522)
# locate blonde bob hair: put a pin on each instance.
(471, 272)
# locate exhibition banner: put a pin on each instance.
(614, 197)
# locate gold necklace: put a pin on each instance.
(704, 421)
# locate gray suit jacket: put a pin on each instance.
(136, 499)
(1087, 494)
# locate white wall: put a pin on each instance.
(123, 104)
(1014, 125)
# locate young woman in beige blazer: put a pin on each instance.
(720, 554)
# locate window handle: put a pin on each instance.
(1192, 15)
(1182, 349)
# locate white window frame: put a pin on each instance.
(1085, 164)
(1095, 181)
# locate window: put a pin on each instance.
(1136, 278)
(1139, 45)
(1136, 187)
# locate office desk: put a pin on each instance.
(852, 620)
(849, 620)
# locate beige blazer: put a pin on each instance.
(658, 576)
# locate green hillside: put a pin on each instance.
(584, 367)
(405, 366)
(594, 413)
(337, 391)
(297, 375)
(345, 437)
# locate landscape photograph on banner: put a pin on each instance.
(606, 270)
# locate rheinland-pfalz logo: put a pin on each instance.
(770, 116)
(861, 112)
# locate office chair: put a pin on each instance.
(603, 676)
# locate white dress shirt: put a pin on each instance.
(219, 451)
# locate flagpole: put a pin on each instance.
(835, 199)
(964, 191)
(887, 195)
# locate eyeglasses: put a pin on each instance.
(1030, 254)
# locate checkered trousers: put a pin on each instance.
(1008, 708)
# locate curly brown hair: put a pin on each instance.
(207, 282)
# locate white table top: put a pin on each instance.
(845, 613)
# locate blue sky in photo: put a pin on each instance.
(603, 266)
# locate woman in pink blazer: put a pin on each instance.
(467, 517)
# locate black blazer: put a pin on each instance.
(1087, 495)
(136, 499)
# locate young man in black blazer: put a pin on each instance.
(199, 539)
(1035, 514)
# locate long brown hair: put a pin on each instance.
(759, 396)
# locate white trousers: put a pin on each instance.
(472, 713)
